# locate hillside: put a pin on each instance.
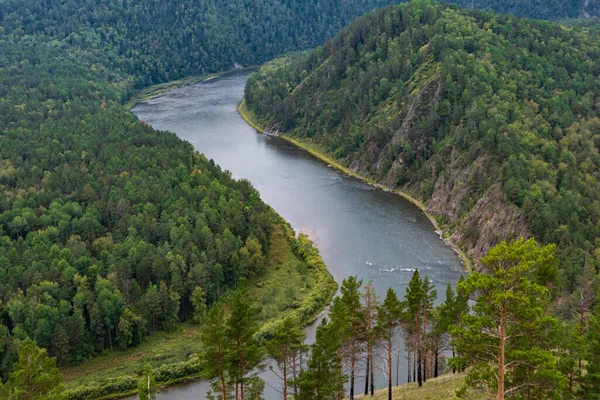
(491, 120)
(442, 388)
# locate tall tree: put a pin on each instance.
(283, 347)
(414, 305)
(35, 376)
(370, 308)
(389, 315)
(214, 349)
(590, 385)
(245, 352)
(320, 379)
(351, 299)
(429, 296)
(505, 340)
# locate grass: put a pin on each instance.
(441, 388)
(322, 154)
(286, 281)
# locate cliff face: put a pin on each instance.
(491, 121)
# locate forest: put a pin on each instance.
(496, 331)
(493, 121)
(111, 231)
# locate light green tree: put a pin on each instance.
(505, 340)
(147, 384)
(198, 299)
(35, 376)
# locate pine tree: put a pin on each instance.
(505, 339)
(590, 385)
(429, 296)
(389, 315)
(214, 348)
(35, 376)
(320, 380)
(244, 353)
(287, 341)
(147, 384)
(340, 323)
(414, 304)
(351, 299)
(370, 304)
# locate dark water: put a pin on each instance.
(359, 230)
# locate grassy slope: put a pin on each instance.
(442, 388)
(322, 155)
(276, 290)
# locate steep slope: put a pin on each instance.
(492, 120)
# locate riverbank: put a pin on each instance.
(284, 290)
(322, 155)
(154, 91)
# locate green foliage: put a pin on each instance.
(147, 384)
(35, 376)
(422, 95)
(321, 380)
(590, 388)
(505, 340)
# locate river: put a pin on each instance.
(359, 230)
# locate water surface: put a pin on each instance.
(359, 230)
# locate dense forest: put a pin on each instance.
(491, 120)
(111, 231)
(495, 330)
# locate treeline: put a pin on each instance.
(484, 117)
(497, 328)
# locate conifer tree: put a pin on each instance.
(429, 296)
(389, 315)
(590, 385)
(214, 349)
(351, 299)
(340, 323)
(283, 347)
(35, 376)
(414, 304)
(505, 340)
(320, 380)
(244, 353)
(370, 306)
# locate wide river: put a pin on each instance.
(359, 230)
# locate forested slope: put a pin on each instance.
(492, 120)
(107, 227)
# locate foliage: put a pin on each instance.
(147, 384)
(35, 376)
(467, 105)
(505, 340)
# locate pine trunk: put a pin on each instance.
(501, 371)
(389, 362)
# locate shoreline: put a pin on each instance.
(323, 157)
(313, 305)
(154, 91)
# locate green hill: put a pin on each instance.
(491, 120)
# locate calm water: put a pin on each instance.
(359, 230)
